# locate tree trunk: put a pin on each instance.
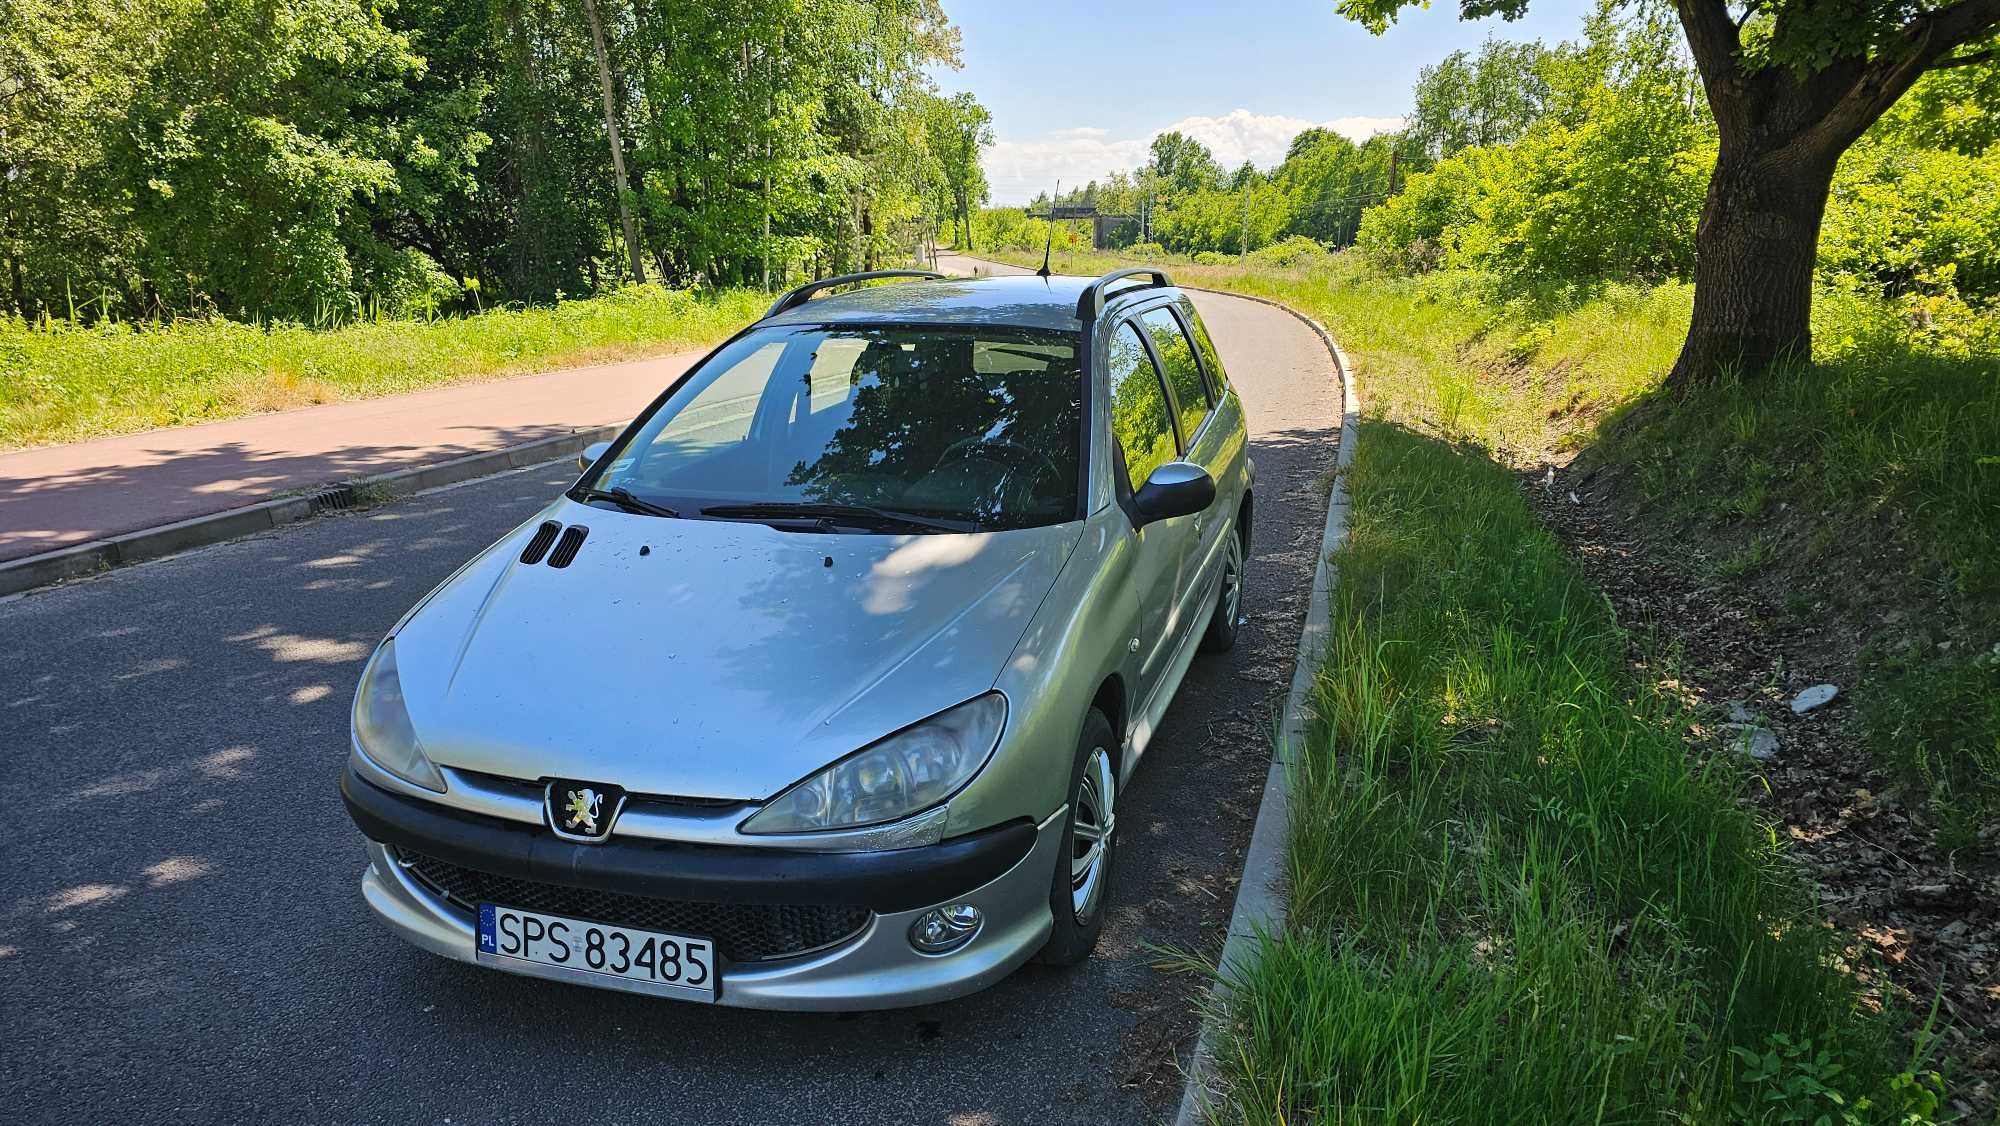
(605, 84)
(1754, 256)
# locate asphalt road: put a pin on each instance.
(181, 938)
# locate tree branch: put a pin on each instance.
(1974, 59)
(1921, 45)
(1712, 37)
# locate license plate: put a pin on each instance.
(598, 953)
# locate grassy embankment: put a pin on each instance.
(65, 383)
(1516, 896)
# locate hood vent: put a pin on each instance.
(539, 545)
(568, 546)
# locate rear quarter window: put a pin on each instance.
(1211, 363)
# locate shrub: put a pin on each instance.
(1295, 251)
(1915, 221)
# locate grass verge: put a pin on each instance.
(66, 383)
(1515, 897)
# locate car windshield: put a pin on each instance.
(976, 427)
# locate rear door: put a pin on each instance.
(1206, 445)
(1143, 439)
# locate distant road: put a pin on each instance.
(182, 938)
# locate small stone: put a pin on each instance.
(1738, 713)
(1759, 743)
(1813, 697)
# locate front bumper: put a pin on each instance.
(1005, 873)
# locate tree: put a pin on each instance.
(1182, 164)
(957, 129)
(1464, 102)
(607, 84)
(1792, 84)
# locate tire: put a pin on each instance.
(1079, 891)
(1226, 622)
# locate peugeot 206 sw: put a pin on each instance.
(818, 688)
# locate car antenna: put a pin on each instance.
(1050, 245)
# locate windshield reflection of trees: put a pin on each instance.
(929, 431)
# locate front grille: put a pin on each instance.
(742, 932)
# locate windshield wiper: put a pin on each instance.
(623, 498)
(862, 515)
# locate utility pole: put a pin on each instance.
(617, 146)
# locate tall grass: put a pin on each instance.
(61, 382)
(1515, 897)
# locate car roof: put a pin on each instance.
(1019, 301)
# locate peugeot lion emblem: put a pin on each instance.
(582, 806)
(582, 811)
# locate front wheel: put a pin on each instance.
(1222, 628)
(1081, 883)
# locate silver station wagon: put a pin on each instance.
(818, 689)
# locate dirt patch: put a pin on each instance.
(1924, 920)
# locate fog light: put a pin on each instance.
(942, 930)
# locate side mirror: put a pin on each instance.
(590, 454)
(1178, 488)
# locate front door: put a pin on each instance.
(1143, 428)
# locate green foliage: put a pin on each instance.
(1604, 186)
(326, 159)
(1012, 228)
(1464, 102)
(1514, 896)
(1296, 251)
(1911, 220)
(1794, 1080)
(1183, 165)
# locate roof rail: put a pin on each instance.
(1092, 301)
(797, 297)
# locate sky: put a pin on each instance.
(1079, 89)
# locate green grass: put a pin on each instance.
(1515, 896)
(64, 383)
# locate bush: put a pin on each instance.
(1915, 221)
(1294, 252)
(1211, 258)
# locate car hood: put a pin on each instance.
(707, 658)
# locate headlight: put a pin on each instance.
(382, 723)
(910, 771)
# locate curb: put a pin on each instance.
(32, 571)
(1260, 894)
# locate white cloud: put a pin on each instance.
(1020, 170)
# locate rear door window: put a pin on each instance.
(1183, 371)
(1139, 418)
(1210, 362)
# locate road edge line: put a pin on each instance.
(31, 572)
(1261, 897)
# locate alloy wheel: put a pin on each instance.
(1090, 838)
